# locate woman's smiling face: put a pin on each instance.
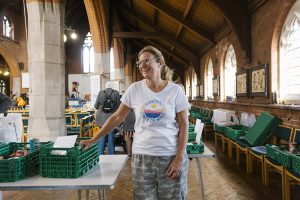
(148, 65)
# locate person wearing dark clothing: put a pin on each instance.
(5, 103)
(102, 116)
(128, 130)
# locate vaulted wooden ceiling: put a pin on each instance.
(184, 30)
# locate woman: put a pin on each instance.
(159, 159)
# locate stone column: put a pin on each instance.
(102, 67)
(46, 59)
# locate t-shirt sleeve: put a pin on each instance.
(181, 101)
(126, 98)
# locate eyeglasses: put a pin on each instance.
(146, 61)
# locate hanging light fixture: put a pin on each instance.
(71, 32)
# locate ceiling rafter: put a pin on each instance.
(137, 35)
(154, 17)
(187, 10)
(187, 24)
(237, 15)
(167, 37)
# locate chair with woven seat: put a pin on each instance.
(291, 174)
(257, 135)
(282, 134)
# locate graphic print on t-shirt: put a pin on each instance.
(153, 110)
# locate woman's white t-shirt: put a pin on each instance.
(156, 129)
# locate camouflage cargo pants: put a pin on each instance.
(150, 180)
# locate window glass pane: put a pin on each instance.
(194, 85)
(230, 70)
(210, 74)
(290, 73)
(88, 54)
(7, 27)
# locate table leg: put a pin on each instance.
(200, 177)
(79, 194)
(103, 194)
(87, 195)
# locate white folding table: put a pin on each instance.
(206, 154)
(101, 177)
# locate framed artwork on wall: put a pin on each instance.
(242, 83)
(259, 80)
(216, 85)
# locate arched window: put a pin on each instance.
(290, 58)
(194, 85)
(187, 83)
(229, 72)
(210, 75)
(7, 27)
(88, 54)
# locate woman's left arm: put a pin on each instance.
(175, 165)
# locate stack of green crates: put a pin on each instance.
(195, 148)
(14, 169)
(192, 134)
(73, 164)
(280, 154)
(258, 134)
(235, 131)
(296, 163)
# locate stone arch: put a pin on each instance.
(275, 59)
(205, 81)
(223, 51)
(98, 25)
(12, 64)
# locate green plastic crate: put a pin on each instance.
(195, 148)
(280, 154)
(192, 137)
(296, 163)
(75, 163)
(235, 131)
(219, 128)
(12, 170)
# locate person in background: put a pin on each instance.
(159, 159)
(102, 116)
(21, 102)
(5, 103)
(128, 131)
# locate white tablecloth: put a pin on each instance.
(222, 115)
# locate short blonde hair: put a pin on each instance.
(166, 72)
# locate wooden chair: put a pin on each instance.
(281, 133)
(258, 134)
(289, 174)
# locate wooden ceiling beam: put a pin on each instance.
(186, 23)
(167, 37)
(154, 17)
(237, 15)
(188, 51)
(188, 8)
(137, 35)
